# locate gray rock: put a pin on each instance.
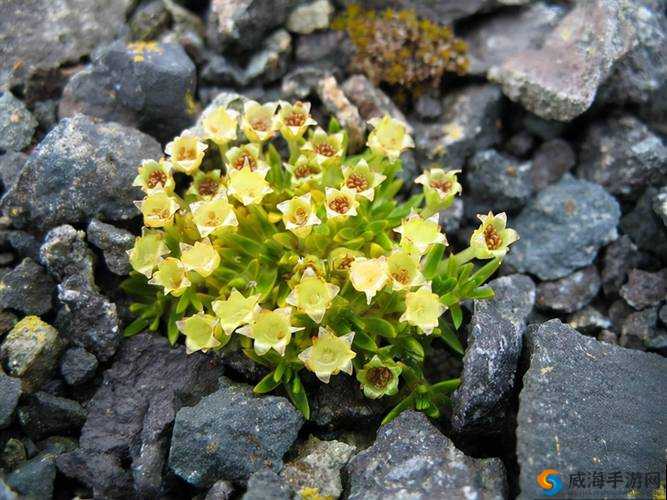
(270, 63)
(35, 478)
(46, 114)
(469, 124)
(10, 392)
(428, 107)
(231, 434)
(563, 227)
(338, 104)
(65, 254)
(480, 404)
(659, 203)
(81, 170)
(149, 21)
(114, 243)
(623, 155)
(220, 70)
(11, 164)
(450, 219)
(493, 39)
(644, 227)
(131, 416)
(77, 366)
(148, 86)
(30, 352)
(589, 321)
(13, 454)
(27, 288)
(221, 490)
(370, 100)
(244, 22)
(44, 415)
(569, 421)
(17, 125)
(267, 485)
(318, 465)
(38, 36)
(551, 161)
(645, 289)
(639, 328)
(571, 293)
(496, 182)
(24, 243)
(6, 493)
(559, 80)
(309, 17)
(302, 81)
(618, 311)
(663, 314)
(521, 144)
(332, 46)
(412, 459)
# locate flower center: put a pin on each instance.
(346, 262)
(356, 182)
(241, 162)
(260, 124)
(339, 205)
(160, 213)
(443, 185)
(380, 376)
(208, 187)
(327, 356)
(402, 276)
(295, 120)
(212, 219)
(325, 149)
(304, 171)
(156, 177)
(300, 216)
(492, 238)
(186, 154)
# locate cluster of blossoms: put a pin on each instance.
(307, 263)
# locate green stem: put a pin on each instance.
(464, 256)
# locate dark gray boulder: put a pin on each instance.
(644, 226)
(11, 164)
(551, 161)
(77, 366)
(10, 392)
(265, 484)
(563, 227)
(571, 293)
(34, 478)
(82, 169)
(230, 434)
(114, 243)
(27, 288)
(412, 459)
(588, 406)
(17, 125)
(645, 289)
(43, 415)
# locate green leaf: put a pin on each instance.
(278, 372)
(286, 239)
(449, 336)
(267, 278)
(442, 284)
(363, 341)
(485, 272)
(334, 127)
(457, 315)
(138, 325)
(433, 258)
(267, 384)
(446, 386)
(405, 404)
(412, 350)
(380, 327)
(298, 396)
(481, 293)
(183, 302)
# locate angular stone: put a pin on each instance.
(309, 17)
(563, 227)
(412, 459)
(102, 473)
(81, 170)
(428, 107)
(231, 434)
(496, 182)
(639, 329)
(267, 485)
(589, 321)
(571, 293)
(65, 254)
(481, 402)
(659, 203)
(45, 415)
(13, 454)
(149, 21)
(645, 289)
(551, 161)
(31, 351)
(469, 124)
(572, 385)
(301, 82)
(331, 46)
(27, 288)
(149, 86)
(337, 103)
(10, 392)
(77, 366)
(644, 227)
(17, 125)
(559, 80)
(11, 164)
(270, 63)
(114, 243)
(221, 490)
(318, 465)
(623, 155)
(35, 478)
(370, 100)
(619, 257)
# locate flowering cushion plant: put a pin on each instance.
(306, 260)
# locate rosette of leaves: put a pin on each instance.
(308, 258)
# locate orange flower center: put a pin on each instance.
(186, 154)
(492, 238)
(443, 185)
(156, 177)
(325, 149)
(346, 262)
(295, 120)
(208, 187)
(300, 216)
(304, 171)
(260, 124)
(339, 205)
(379, 376)
(241, 162)
(402, 276)
(356, 182)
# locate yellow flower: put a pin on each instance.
(340, 259)
(440, 186)
(202, 332)
(329, 354)
(294, 119)
(312, 295)
(403, 268)
(211, 215)
(270, 330)
(389, 137)
(418, 234)
(340, 203)
(186, 152)
(236, 310)
(172, 276)
(206, 185)
(259, 122)
(492, 239)
(158, 209)
(305, 169)
(423, 309)
(369, 275)
(220, 125)
(248, 187)
(247, 155)
(147, 252)
(324, 149)
(201, 257)
(361, 180)
(154, 176)
(299, 215)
